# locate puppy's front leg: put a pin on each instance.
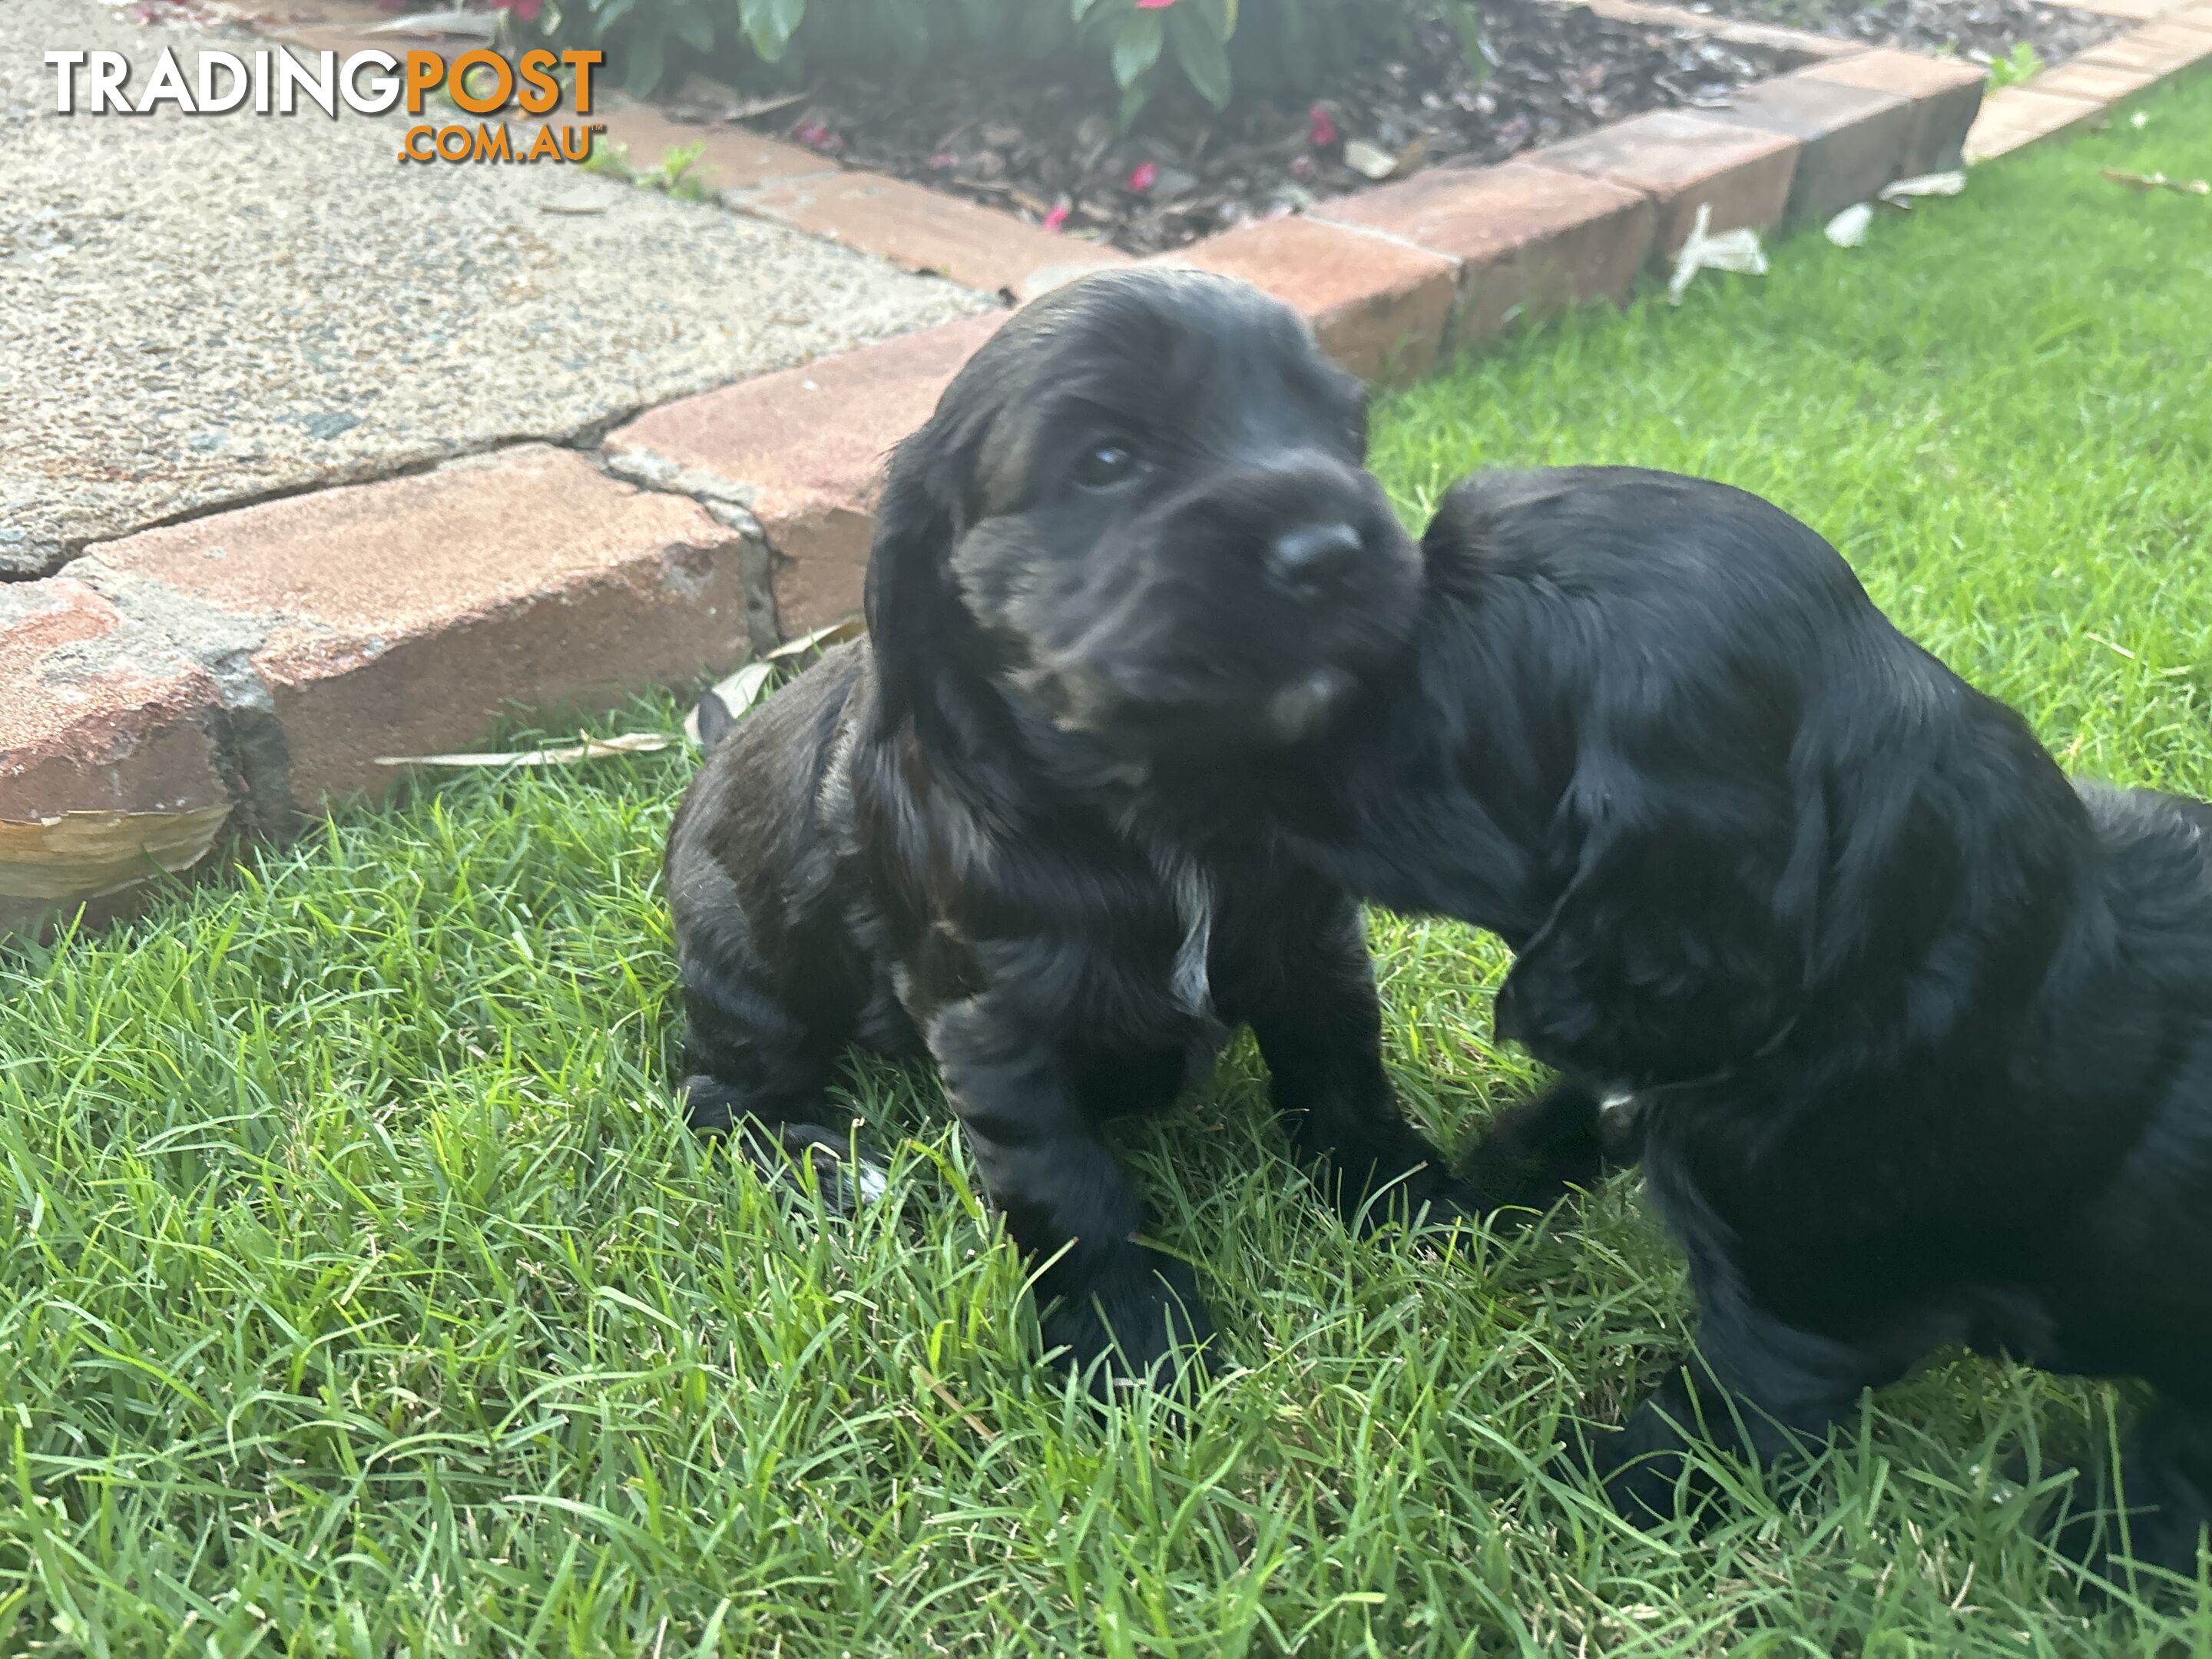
(1320, 1029)
(1067, 1203)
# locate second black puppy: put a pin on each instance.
(1134, 546)
(1920, 1035)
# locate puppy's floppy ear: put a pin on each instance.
(909, 604)
(1682, 943)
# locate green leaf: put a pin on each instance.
(1080, 9)
(1043, 31)
(1136, 48)
(1467, 18)
(693, 28)
(1135, 97)
(647, 65)
(1222, 14)
(769, 24)
(1199, 52)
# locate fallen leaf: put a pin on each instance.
(2159, 181)
(845, 628)
(579, 201)
(982, 1430)
(1732, 249)
(81, 855)
(1370, 161)
(739, 692)
(1411, 157)
(1900, 193)
(632, 743)
(1849, 227)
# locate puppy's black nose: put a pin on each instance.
(1313, 556)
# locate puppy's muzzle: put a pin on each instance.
(1241, 611)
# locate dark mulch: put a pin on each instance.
(1977, 29)
(1052, 153)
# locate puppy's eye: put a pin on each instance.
(1106, 465)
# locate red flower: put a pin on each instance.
(527, 11)
(1057, 219)
(1154, 5)
(1320, 129)
(1142, 177)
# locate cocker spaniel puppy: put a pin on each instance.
(1916, 1034)
(1135, 548)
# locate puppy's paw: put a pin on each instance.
(1429, 1199)
(1644, 1486)
(2158, 1523)
(789, 1149)
(849, 1179)
(1140, 1322)
(1640, 1466)
(1397, 1185)
(1536, 1153)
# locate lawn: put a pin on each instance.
(360, 1293)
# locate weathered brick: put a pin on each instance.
(807, 447)
(1945, 97)
(1529, 240)
(2100, 83)
(408, 616)
(1378, 306)
(95, 717)
(1854, 139)
(731, 158)
(923, 230)
(94, 720)
(2019, 116)
(1684, 163)
(2137, 11)
(2169, 49)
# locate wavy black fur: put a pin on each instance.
(1919, 1033)
(1134, 548)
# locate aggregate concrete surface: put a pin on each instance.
(204, 310)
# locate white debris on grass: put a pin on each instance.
(1732, 249)
(1849, 227)
(1900, 193)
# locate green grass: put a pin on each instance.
(359, 1293)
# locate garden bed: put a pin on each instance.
(1981, 30)
(1051, 151)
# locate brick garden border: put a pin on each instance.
(264, 657)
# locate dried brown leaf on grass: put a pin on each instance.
(835, 633)
(585, 748)
(739, 692)
(2159, 181)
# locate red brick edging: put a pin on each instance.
(266, 656)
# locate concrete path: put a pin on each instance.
(198, 311)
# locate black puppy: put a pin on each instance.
(1919, 1035)
(1134, 546)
